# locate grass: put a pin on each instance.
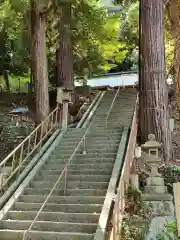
(17, 83)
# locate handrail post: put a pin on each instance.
(84, 145)
(112, 104)
(65, 181)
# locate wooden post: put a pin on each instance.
(65, 115)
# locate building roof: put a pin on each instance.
(112, 80)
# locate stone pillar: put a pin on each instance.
(64, 97)
(65, 115)
(134, 179)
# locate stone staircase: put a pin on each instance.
(73, 214)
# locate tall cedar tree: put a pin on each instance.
(153, 88)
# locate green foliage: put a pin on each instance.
(17, 83)
(95, 37)
(100, 41)
(171, 174)
(137, 215)
(169, 44)
(170, 232)
(125, 3)
(131, 231)
(13, 37)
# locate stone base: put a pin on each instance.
(155, 189)
(161, 208)
(157, 226)
(157, 197)
(155, 181)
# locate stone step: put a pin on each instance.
(97, 138)
(82, 160)
(71, 177)
(84, 156)
(92, 142)
(51, 207)
(94, 134)
(60, 167)
(113, 127)
(80, 155)
(70, 184)
(54, 217)
(90, 145)
(118, 111)
(79, 133)
(91, 149)
(157, 197)
(100, 125)
(49, 226)
(62, 199)
(105, 112)
(69, 192)
(99, 132)
(70, 130)
(39, 235)
(103, 171)
(112, 120)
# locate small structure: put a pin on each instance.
(64, 98)
(19, 114)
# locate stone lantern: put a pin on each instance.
(155, 190)
(152, 150)
(152, 147)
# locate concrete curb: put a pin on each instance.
(103, 220)
(29, 172)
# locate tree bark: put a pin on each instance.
(6, 79)
(173, 8)
(154, 117)
(39, 59)
(64, 57)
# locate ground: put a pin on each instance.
(10, 134)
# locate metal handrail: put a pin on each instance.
(119, 206)
(64, 172)
(27, 147)
(112, 104)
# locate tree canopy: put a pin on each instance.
(95, 35)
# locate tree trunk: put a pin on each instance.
(154, 116)
(39, 59)
(173, 8)
(64, 57)
(6, 79)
